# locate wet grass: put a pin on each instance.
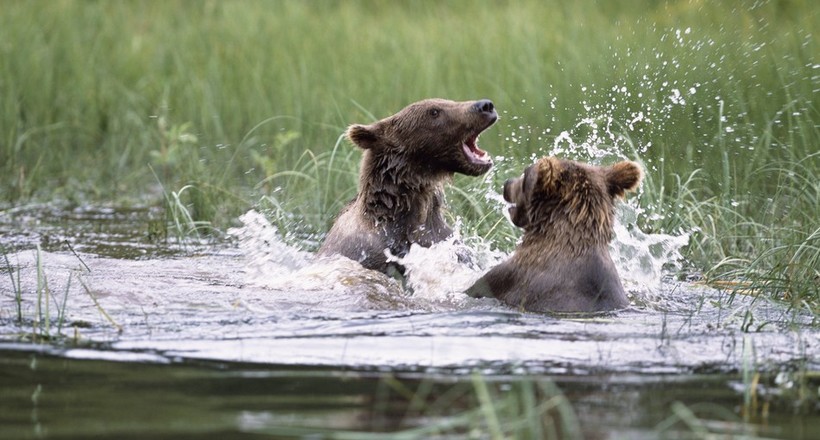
(16, 287)
(43, 319)
(212, 107)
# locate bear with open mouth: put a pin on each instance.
(567, 211)
(407, 159)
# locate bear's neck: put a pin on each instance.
(565, 238)
(391, 188)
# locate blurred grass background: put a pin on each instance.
(217, 106)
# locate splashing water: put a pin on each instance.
(268, 256)
(336, 283)
(436, 277)
(642, 259)
(441, 273)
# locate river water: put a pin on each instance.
(103, 332)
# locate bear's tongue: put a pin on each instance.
(473, 153)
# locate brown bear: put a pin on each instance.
(562, 264)
(407, 158)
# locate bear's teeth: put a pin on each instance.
(473, 153)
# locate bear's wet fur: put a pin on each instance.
(567, 211)
(407, 159)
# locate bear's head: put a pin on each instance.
(562, 264)
(568, 198)
(435, 135)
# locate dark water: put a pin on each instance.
(49, 395)
(109, 330)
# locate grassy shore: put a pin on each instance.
(216, 106)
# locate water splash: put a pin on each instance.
(436, 277)
(268, 256)
(301, 279)
(643, 259)
(440, 274)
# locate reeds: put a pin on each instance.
(44, 310)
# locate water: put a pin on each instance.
(250, 335)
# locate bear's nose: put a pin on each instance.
(484, 106)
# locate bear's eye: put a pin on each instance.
(434, 112)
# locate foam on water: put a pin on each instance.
(441, 273)
(268, 256)
(294, 274)
(642, 258)
(436, 277)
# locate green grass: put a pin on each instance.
(212, 107)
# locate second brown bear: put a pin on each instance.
(567, 211)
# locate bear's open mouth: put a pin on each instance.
(474, 154)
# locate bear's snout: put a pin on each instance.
(513, 194)
(508, 190)
(484, 106)
(514, 190)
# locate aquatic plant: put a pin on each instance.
(15, 285)
(47, 319)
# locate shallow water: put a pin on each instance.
(274, 338)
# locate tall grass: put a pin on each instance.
(236, 103)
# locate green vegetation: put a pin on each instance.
(214, 106)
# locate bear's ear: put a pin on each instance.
(621, 177)
(365, 137)
(548, 170)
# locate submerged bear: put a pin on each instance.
(567, 210)
(407, 158)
